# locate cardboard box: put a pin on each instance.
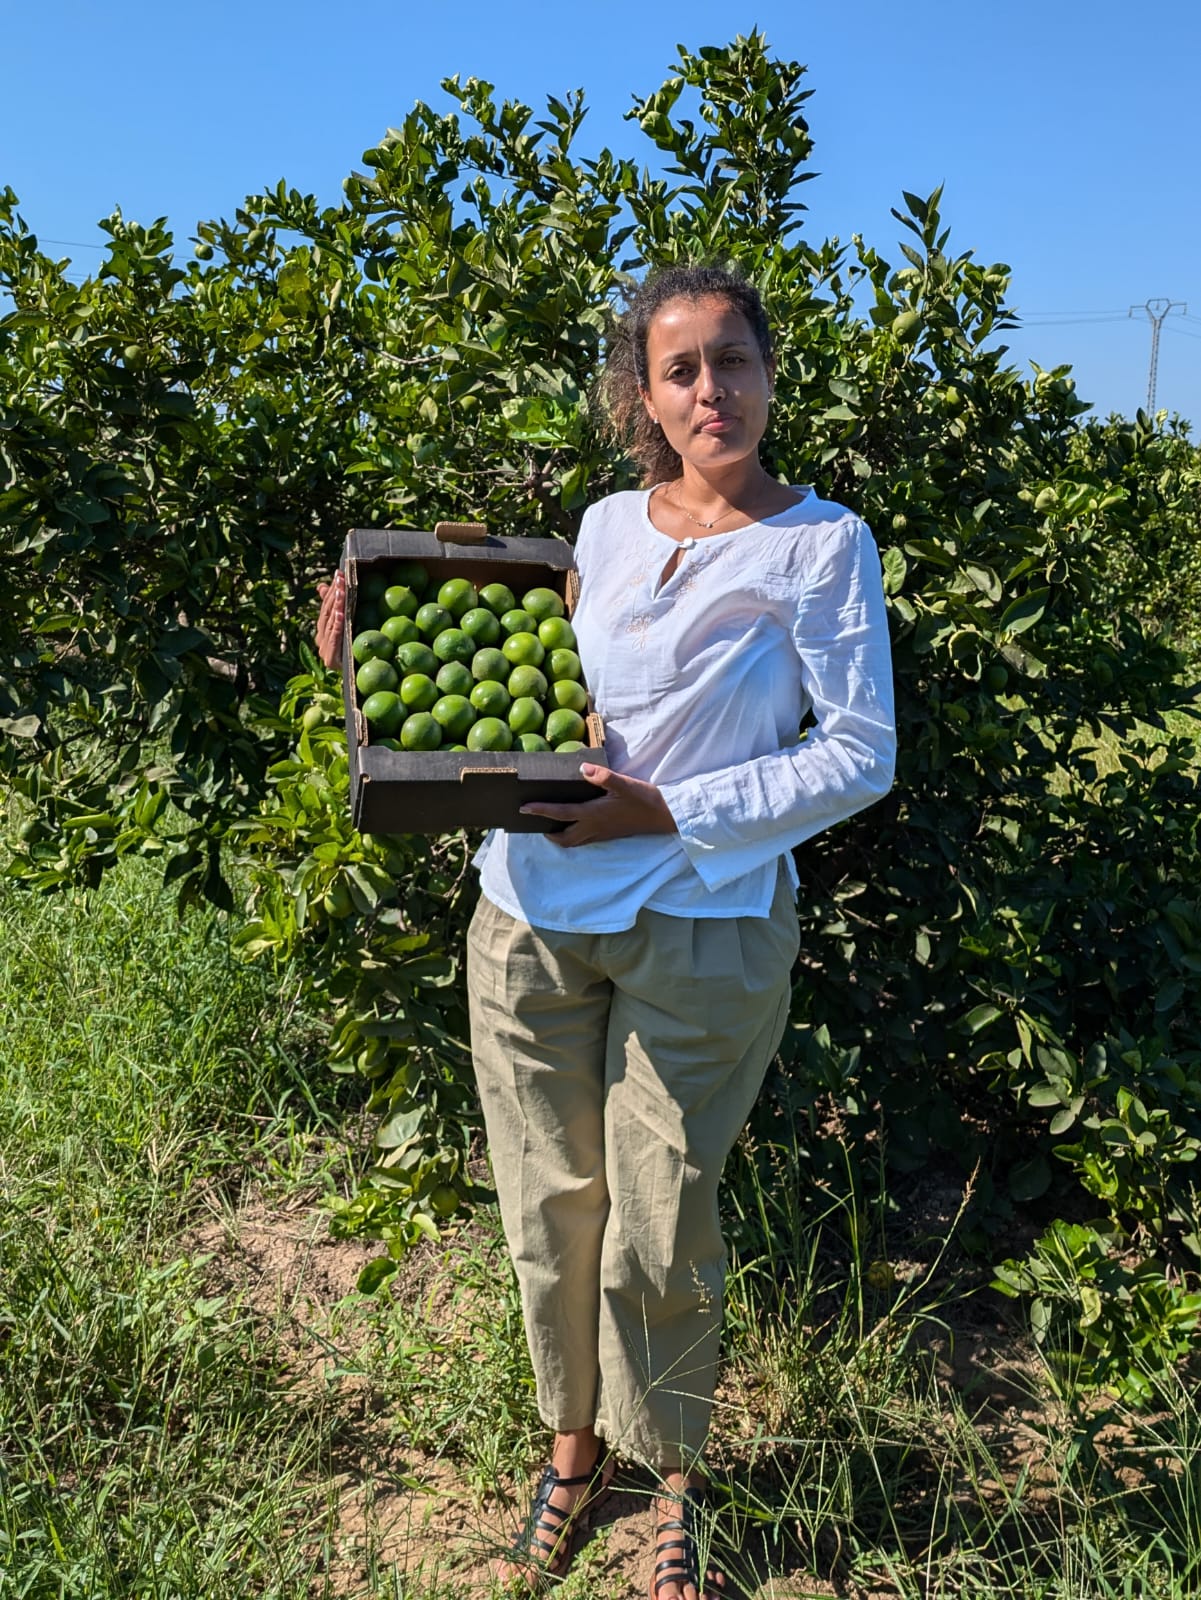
(436, 791)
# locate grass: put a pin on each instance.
(170, 1425)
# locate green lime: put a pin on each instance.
(452, 644)
(526, 715)
(418, 691)
(564, 725)
(569, 747)
(432, 618)
(454, 714)
(416, 657)
(399, 601)
(542, 603)
(491, 699)
(384, 712)
(401, 630)
(390, 743)
(454, 678)
(531, 743)
(490, 663)
(420, 732)
(481, 625)
(412, 574)
(371, 644)
(490, 733)
(374, 675)
(564, 664)
(516, 621)
(315, 717)
(556, 633)
(444, 1200)
(498, 598)
(457, 595)
(523, 650)
(566, 692)
(455, 749)
(524, 681)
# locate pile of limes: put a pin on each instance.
(444, 667)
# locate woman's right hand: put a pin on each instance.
(331, 620)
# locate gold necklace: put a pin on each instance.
(729, 512)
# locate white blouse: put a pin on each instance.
(702, 682)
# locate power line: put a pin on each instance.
(1185, 333)
(1156, 310)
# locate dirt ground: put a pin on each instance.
(396, 1509)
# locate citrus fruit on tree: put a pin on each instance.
(373, 675)
(420, 732)
(564, 664)
(489, 663)
(418, 691)
(203, 251)
(491, 699)
(452, 644)
(454, 678)
(454, 714)
(315, 717)
(563, 725)
(399, 601)
(481, 624)
(498, 598)
(542, 603)
(444, 1200)
(369, 644)
(384, 712)
(524, 650)
(570, 694)
(518, 621)
(458, 595)
(556, 633)
(416, 657)
(490, 733)
(526, 715)
(336, 901)
(432, 618)
(526, 681)
(531, 743)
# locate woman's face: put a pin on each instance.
(708, 386)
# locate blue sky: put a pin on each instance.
(1067, 134)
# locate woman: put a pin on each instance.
(629, 975)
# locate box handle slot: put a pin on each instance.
(487, 772)
(461, 532)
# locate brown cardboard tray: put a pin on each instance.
(437, 791)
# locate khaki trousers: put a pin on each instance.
(615, 1072)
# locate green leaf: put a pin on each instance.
(1025, 612)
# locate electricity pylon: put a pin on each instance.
(1156, 311)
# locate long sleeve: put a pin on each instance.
(738, 817)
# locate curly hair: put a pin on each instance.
(626, 376)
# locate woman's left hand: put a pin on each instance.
(627, 806)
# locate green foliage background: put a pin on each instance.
(1001, 960)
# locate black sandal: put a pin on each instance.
(545, 1540)
(684, 1568)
